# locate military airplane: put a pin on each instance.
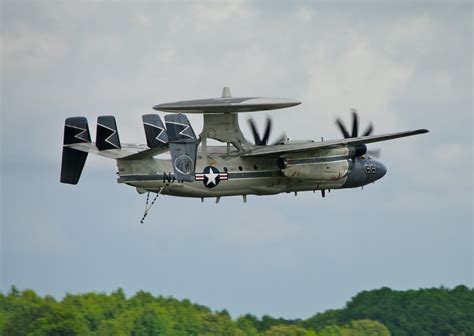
(238, 167)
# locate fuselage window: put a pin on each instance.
(255, 167)
(240, 168)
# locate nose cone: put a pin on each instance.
(382, 170)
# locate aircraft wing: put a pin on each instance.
(287, 148)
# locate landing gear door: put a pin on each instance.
(183, 146)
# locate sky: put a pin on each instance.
(403, 66)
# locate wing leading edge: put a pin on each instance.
(280, 149)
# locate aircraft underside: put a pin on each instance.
(248, 183)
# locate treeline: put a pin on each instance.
(433, 311)
(436, 311)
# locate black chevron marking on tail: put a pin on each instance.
(156, 135)
(107, 134)
(160, 133)
(179, 128)
(76, 130)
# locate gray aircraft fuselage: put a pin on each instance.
(220, 173)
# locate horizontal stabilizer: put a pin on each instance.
(107, 134)
(146, 153)
(127, 150)
(155, 131)
(76, 131)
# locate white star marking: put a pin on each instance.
(211, 177)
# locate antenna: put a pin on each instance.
(226, 92)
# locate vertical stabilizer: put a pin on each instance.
(76, 130)
(183, 146)
(155, 131)
(107, 134)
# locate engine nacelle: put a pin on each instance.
(327, 165)
(357, 150)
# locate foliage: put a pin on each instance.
(422, 312)
(433, 311)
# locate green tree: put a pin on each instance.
(151, 320)
(365, 328)
(330, 330)
(321, 320)
(433, 311)
(287, 330)
(47, 318)
(247, 325)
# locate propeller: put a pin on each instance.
(263, 141)
(355, 127)
(355, 133)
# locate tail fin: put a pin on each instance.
(76, 130)
(183, 146)
(179, 128)
(107, 134)
(155, 131)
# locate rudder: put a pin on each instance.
(76, 130)
(183, 146)
(107, 134)
(155, 131)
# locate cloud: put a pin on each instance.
(403, 66)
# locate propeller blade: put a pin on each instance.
(369, 130)
(268, 129)
(256, 137)
(264, 141)
(342, 128)
(355, 124)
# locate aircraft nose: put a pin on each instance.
(382, 169)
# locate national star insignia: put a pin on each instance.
(211, 177)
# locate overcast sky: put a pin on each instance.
(403, 66)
